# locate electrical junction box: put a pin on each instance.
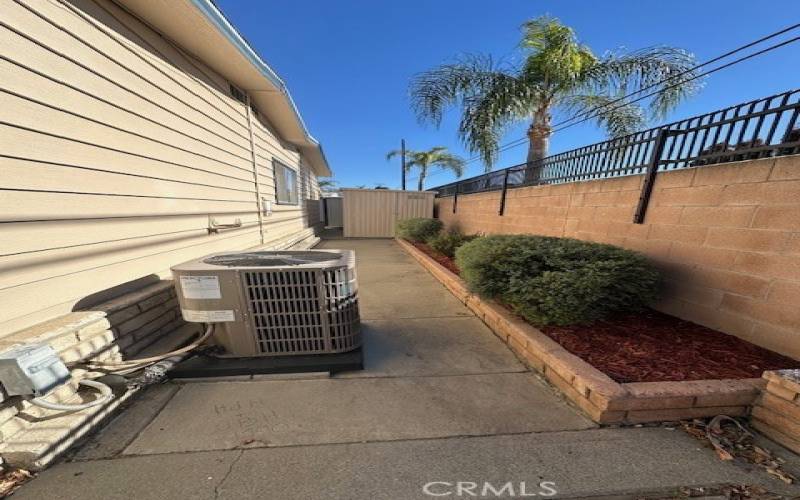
(34, 369)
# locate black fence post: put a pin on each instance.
(503, 193)
(455, 197)
(650, 175)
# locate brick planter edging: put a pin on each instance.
(600, 397)
(777, 414)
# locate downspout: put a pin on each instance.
(255, 167)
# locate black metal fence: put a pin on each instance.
(757, 129)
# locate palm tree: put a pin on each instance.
(558, 73)
(328, 185)
(434, 157)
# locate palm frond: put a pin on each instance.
(486, 117)
(434, 90)
(557, 60)
(618, 120)
(451, 162)
(619, 73)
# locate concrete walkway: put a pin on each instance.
(441, 400)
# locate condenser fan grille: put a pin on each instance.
(271, 259)
(299, 311)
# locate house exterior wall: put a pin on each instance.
(727, 238)
(115, 149)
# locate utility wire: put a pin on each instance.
(592, 113)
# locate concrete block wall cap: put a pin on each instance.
(568, 365)
(593, 381)
(155, 300)
(789, 379)
(537, 340)
(689, 388)
(134, 297)
(780, 391)
(50, 330)
(93, 329)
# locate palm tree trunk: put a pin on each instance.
(538, 145)
(423, 171)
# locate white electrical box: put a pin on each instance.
(32, 370)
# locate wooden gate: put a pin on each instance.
(333, 212)
(372, 213)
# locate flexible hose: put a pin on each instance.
(132, 364)
(105, 396)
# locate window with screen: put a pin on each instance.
(285, 184)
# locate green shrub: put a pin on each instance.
(419, 229)
(557, 280)
(447, 242)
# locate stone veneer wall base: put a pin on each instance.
(138, 324)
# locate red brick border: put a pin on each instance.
(603, 399)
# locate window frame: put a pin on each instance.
(275, 164)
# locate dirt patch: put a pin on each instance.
(650, 346)
(442, 259)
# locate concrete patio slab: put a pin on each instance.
(622, 463)
(433, 346)
(123, 429)
(626, 462)
(159, 477)
(301, 412)
(392, 285)
(408, 298)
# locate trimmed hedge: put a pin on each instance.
(419, 229)
(447, 242)
(558, 281)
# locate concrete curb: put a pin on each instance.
(601, 398)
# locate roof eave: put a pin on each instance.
(199, 27)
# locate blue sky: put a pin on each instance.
(348, 62)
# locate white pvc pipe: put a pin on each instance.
(105, 396)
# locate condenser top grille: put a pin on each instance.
(267, 259)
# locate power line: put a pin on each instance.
(594, 111)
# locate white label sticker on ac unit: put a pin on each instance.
(200, 287)
(208, 316)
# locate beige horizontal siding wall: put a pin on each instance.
(115, 149)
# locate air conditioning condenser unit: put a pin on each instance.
(274, 303)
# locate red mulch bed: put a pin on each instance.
(650, 346)
(438, 257)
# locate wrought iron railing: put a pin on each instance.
(756, 129)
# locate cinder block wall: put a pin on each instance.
(727, 238)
